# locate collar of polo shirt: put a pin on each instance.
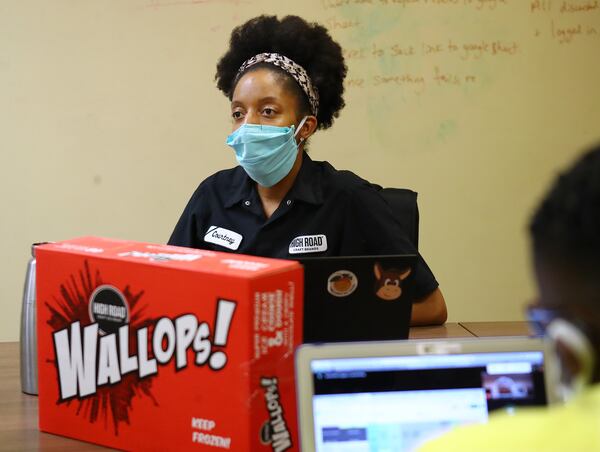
(307, 186)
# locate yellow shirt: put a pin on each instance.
(572, 427)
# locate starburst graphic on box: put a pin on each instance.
(114, 401)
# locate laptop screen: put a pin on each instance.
(396, 403)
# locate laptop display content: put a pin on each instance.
(357, 298)
(406, 393)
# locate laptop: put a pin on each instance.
(396, 395)
(357, 298)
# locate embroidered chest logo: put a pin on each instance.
(223, 237)
(308, 244)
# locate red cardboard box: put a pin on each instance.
(154, 347)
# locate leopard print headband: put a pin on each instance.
(297, 72)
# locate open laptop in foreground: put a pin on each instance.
(357, 298)
(394, 396)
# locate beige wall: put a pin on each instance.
(110, 119)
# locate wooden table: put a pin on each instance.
(448, 330)
(19, 412)
(492, 329)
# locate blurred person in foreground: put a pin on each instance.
(565, 234)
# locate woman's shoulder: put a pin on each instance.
(222, 179)
(216, 187)
(345, 181)
(225, 176)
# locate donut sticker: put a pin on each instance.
(342, 283)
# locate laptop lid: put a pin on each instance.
(397, 395)
(355, 298)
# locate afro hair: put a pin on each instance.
(566, 226)
(308, 44)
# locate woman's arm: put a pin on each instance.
(382, 234)
(430, 310)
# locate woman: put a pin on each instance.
(284, 79)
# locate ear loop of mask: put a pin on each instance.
(576, 341)
(299, 128)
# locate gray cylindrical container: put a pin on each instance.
(29, 367)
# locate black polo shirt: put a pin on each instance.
(326, 213)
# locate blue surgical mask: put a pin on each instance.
(267, 153)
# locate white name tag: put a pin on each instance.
(223, 237)
(308, 244)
